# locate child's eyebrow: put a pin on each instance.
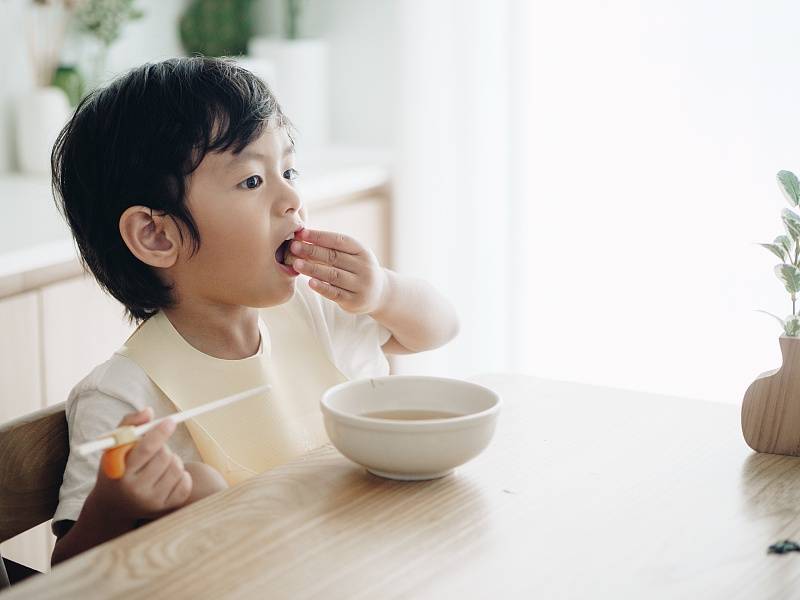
(246, 154)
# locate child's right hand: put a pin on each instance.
(154, 482)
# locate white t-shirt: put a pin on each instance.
(119, 386)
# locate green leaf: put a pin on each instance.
(776, 317)
(790, 276)
(785, 242)
(790, 186)
(792, 223)
(776, 250)
(105, 19)
(792, 325)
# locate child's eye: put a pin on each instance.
(291, 174)
(252, 182)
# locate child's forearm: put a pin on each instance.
(95, 525)
(418, 316)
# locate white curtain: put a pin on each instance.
(588, 182)
(655, 132)
(451, 210)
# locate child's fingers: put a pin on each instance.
(150, 473)
(329, 256)
(330, 239)
(151, 442)
(181, 491)
(138, 418)
(170, 476)
(114, 460)
(338, 277)
(330, 291)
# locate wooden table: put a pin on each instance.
(585, 492)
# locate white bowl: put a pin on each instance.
(410, 449)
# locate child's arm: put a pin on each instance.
(347, 272)
(418, 316)
(155, 482)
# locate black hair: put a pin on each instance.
(135, 142)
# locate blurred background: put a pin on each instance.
(586, 181)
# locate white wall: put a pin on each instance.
(451, 196)
(17, 75)
(364, 38)
(650, 142)
(153, 37)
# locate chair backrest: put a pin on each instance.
(33, 453)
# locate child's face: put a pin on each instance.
(244, 206)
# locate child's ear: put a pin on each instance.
(153, 238)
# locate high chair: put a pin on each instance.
(33, 454)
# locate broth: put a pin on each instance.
(411, 415)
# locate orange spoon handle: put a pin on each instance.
(113, 461)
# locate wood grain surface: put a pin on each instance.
(771, 405)
(585, 492)
(33, 454)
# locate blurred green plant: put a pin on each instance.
(100, 22)
(787, 249)
(69, 79)
(293, 10)
(217, 27)
(104, 19)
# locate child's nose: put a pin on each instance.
(289, 201)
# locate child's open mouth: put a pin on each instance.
(285, 258)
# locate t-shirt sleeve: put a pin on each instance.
(356, 341)
(95, 407)
(90, 414)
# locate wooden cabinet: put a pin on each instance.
(20, 356)
(81, 327)
(51, 339)
(21, 393)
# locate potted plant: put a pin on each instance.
(301, 75)
(787, 249)
(223, 28)
(216, 27)
(42, 111)
(771, 405)
(100, 23)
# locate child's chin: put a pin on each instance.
(277, 296)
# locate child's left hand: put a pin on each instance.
(341, 269)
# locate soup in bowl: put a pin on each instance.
(410, 427)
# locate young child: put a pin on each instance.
(178, 182)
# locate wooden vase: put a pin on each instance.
(771, 405)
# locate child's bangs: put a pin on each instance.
(234, 114)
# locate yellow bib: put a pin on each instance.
(258, 433)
